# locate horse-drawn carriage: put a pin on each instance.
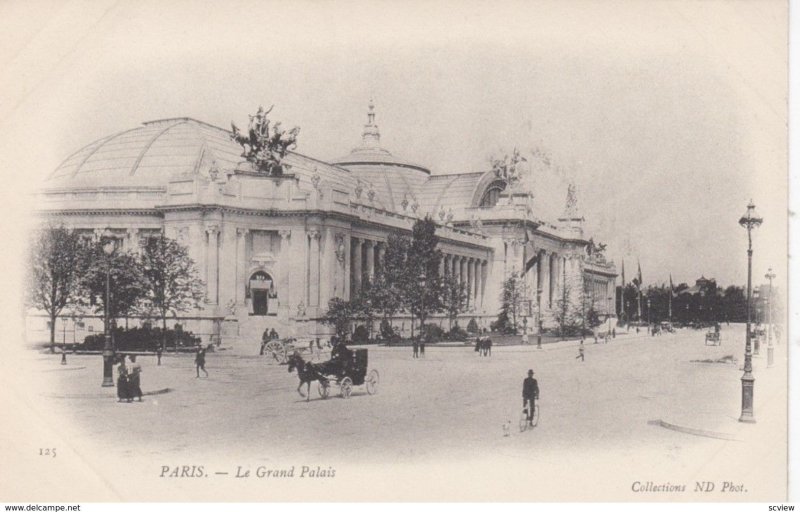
(278, 351)
(345, 372)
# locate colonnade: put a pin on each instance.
(365, 255)
(470, 272)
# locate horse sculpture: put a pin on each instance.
(307, 372)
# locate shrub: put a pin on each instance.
(361, 334)
(387, 331)
(142, 339)
(472, 326)
(457, 333)
(432, 332)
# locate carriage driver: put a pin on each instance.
(530, 393)
(340, 358)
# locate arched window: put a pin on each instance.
(490, 197)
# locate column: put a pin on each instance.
(212, 263)
(228, 282)
(381, 250)
(313, 267)
(328, 273)
(241, 264)
(284, 289)
(545, 300)
(442, 265)
(132, 239)
(369, 248)
(356, 266)
(346, 258)
(468, 286)
(484, 276)
(476, 281)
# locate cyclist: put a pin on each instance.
(530, 393)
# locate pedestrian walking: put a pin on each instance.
(158, 355)
(422, 346)
(123, 387)
(530, 393)
(525, 335)
(580, 352)
(415, 348)
(134, 379)
(200, 361)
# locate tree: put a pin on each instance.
(172, 283)
(54, 272)
(568, 316)
(509, 304)
(339, 315)
(423, 284)
(126, 282)
(265, 151)
(454, 298)
(387, 291)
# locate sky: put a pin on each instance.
(669, 116)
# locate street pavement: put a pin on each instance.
(435, 430)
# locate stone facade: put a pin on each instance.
(274, 250)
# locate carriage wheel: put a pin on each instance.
(275, 352)
(323, 389)
(346, 387)
(372, 382)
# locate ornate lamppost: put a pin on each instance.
(538, 316)
(108, 349)
(770, 349)
(748, 221)
(649, 323)
(756, 335)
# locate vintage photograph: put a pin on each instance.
(395, 251)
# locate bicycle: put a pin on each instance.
(523, 419)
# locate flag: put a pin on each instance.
(671, 288)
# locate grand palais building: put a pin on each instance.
(272, 251)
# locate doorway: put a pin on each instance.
(262, 289)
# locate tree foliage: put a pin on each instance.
(423, 286)
(53, 273)
(454, 297)
(171, 279)
(510, 306)
(126, 281)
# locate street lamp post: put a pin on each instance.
(757, 337)
(748, 221)
(649, 323)
(770, 349)
(608, 316)
(108, 349)
(538, 317)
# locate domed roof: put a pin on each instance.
(370, 153)
(149, 155)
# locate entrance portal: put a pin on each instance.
(262, 289)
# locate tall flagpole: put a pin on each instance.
(670, 298)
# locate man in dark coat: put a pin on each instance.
(530, 393)
(340, 359)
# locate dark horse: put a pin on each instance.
(483, 346)
(307, 372)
